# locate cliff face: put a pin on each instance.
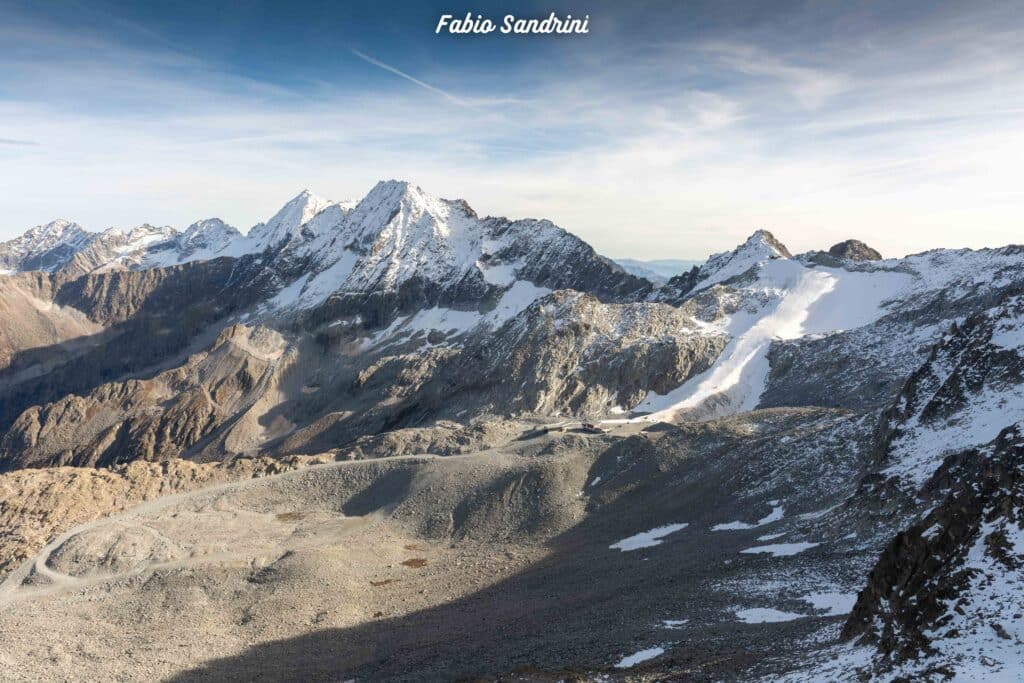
(941, 591)
(163, 417)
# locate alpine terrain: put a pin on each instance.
(391, 439)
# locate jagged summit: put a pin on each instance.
(397, 239)
(208, 227)
(761, 246)
(427, 250)
(210, 235)
(55, 228)
(287, 223)
(44, 247)
(766, 238)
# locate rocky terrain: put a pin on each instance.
(394, 440)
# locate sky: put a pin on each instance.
(671, 130)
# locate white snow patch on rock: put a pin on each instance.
(765, 615)
(647, 539)
(774, 516)
(641, 656)
(837, 604)
(780, 549)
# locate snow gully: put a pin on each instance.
(512, 24)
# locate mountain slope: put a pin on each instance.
(400, 250)
(769, 466)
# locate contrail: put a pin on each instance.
(387, 67)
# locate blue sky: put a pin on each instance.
(671, 131)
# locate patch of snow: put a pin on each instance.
(920, 449)
(765, 615)
(770, 537)
(647, 539)
(516, 299)
(837, 604)
(641, 656)
(817, 514)
(780, 549)
(673, 623)
(501, 275)
(1009, 334)
(312, 290)
(775, 515)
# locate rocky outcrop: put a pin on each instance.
(137, 320)
(571, 354)
(921, 606)
(29, 319)
(150, 419)
(970, 386)
(854, 250)
(443, 438)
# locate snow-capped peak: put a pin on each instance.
(44, 247)
(49, 235)
(399, 235)
(55, 228)
(206, 233)
(287, 223)
(394, 200)
(207, 238)
(403, 232)
(758, 248)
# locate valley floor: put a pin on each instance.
(666, 552)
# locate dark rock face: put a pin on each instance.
(773, 241)
(962, 366)
(919, 588)
(677, 287)
(854, 250)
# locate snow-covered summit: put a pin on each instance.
(758, 248)
(203, 240)
(287, 223)
(398, 241)
(208, 233)
(44, 247)
(402, 232)
(403, 241)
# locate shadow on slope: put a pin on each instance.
(586, 605)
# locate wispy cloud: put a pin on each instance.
(426, 86)
(18, 143)
(812, 87)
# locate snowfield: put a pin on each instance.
(801, 301)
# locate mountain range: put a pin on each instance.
(390, 439)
